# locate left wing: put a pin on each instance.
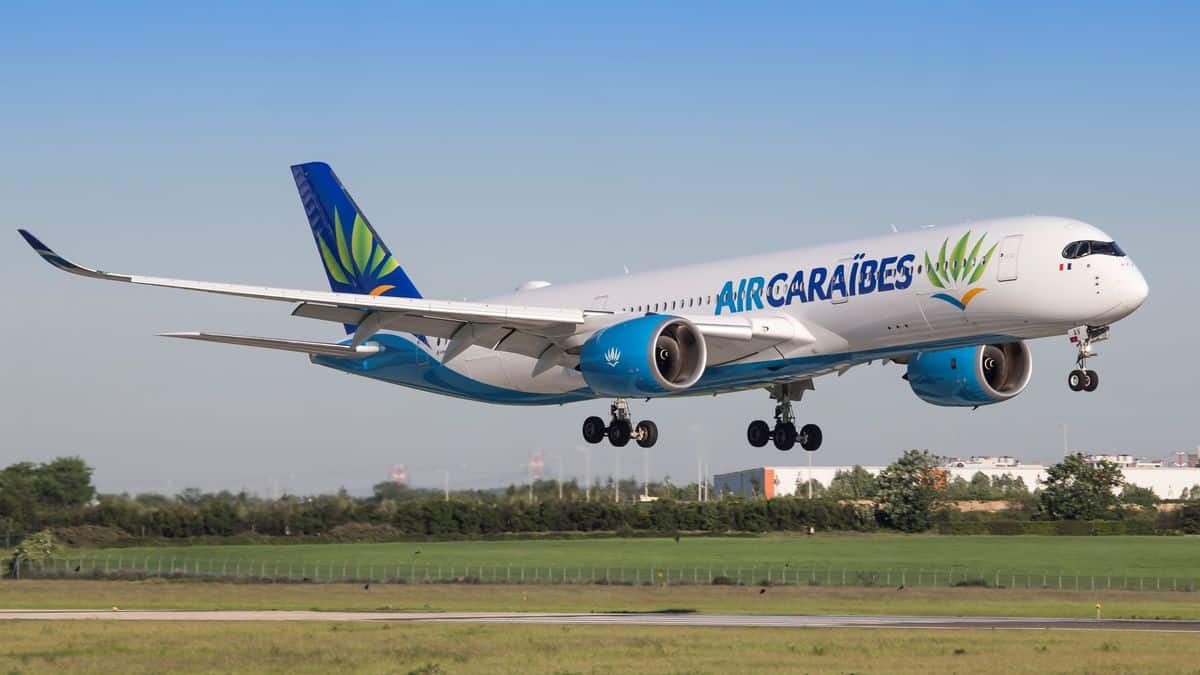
(551, 335)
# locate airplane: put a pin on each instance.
(954, 306)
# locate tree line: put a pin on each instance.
(911, 495)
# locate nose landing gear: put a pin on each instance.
(1083, 337)
(784, 434)
(621, 430)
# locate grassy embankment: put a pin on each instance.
(101, 646)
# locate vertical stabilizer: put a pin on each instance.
(356, 259)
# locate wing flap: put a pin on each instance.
(322, 348)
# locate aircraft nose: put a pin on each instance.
(1139, 290)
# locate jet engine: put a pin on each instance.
(970, 376)
(646, 356)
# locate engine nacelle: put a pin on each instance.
(971, 376)
(649, 355)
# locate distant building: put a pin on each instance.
(985, 462)
(778, 481)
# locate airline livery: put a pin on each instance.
(952, 305)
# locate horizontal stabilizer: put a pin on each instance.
(322, 348)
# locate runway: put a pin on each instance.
(652, 619)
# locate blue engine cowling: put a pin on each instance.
(646, 356)
(970, 376)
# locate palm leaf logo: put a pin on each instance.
(958, 268)
(360, 261)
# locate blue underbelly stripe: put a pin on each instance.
(402, 362)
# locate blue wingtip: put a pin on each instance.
(33, 241)
(49, 255)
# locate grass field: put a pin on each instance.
(1117, 562)
(102, 646)
(161, 594)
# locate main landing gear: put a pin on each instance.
(621, 429)
(784, 434)
(1083, 337)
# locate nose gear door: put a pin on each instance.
(1006, 269)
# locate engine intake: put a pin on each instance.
(971, 376)
(645, 356)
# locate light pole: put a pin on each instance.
(646, 472)
(1066, 446)
(587, 471)
(810, 454)
(617, 474)
(560, 478)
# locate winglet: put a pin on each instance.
(62, 263)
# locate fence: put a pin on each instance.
(347, 571)
(12, 539)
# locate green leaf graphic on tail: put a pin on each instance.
(959, 266)
(359, 261)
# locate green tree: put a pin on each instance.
(1008, 486)
(1189, 519)
(388, 489)
(18, 493)
(908, 490)
(1077, 490)
(1136, 494)
(1191, 494)
(818, 490)
(65, 481)
(856, 483)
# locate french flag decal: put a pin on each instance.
(1064, 266)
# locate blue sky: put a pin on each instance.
(500, 142)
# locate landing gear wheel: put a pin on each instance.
(759, 433)
(647, 433)
(785, 435)
(593, 429)
(1093, 380)
(810, 437)
(1077, 380)
(619, 433)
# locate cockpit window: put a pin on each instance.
(1080, 249)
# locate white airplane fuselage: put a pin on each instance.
(872, 298)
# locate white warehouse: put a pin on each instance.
(777, 481)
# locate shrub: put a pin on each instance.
(91, 536)
(363, 532)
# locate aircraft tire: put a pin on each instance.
(785, 436)
(1076, 380)
(758, 433)
(619, 433)
(593, 429)
(647, 433)
(810, 437)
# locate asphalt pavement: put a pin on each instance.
(631, 619)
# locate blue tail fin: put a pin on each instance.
(355, 258)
